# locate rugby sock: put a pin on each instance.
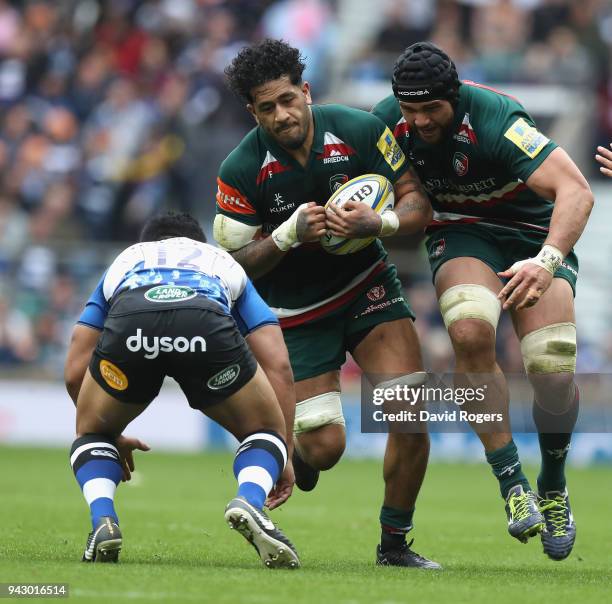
(506, 466)
(394, 525)
(95, 463)
(554, 447)
(259, 461)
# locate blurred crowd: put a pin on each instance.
(564, 42)
(111, 110)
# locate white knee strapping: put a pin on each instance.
(551, 349)
(410, 380)
(469, 301)
(318, 411)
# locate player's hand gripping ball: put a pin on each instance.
(371, 189)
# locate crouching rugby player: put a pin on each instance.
(165, 309)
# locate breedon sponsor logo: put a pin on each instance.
(154, 345)
(170, 293)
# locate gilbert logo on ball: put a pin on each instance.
(170, 293)
(372, 189)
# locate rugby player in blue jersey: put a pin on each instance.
(173, 305)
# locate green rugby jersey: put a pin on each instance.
(479, 173)
(261, 184)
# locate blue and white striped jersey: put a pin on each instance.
(180, 261)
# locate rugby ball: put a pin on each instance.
(372, 189)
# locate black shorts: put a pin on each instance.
(192, 341)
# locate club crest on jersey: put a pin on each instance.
(376, 293)
(226, 377)
(336, 181)
(438, 248)
(466, 133)
(170, 293)
(460, 163)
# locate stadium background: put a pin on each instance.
(113, 110)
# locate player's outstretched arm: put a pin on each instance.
(268, 347)
(82, 345)
(604, 157)
(559, 180)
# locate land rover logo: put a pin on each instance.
(170, 293)
(224, 378)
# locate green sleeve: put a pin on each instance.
(512, 138)
(236, 192)
(378, 150)
(387, 111)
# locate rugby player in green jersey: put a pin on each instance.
(604, 157)
(509, 205)
(270, 214)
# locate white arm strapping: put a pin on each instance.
(231, 234)
(549, 258)
(390, 223)
(285, 235)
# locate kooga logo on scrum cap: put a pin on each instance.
(170, 293)
(413, 92)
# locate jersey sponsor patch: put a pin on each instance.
(113, 376)
(170, 293)
(232, 200)
(226, 377)
(526, 137)
(390, 150)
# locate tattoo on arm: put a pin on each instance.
(412, 205)
(258, 257)
(411, 183)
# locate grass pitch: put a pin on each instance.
(177, 547)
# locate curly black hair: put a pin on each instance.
(172, 224)
(255, 65)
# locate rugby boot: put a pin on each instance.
(524, 517)
(560, 533)
(306, 477)
(404, 556)
(104, 542)
(274, 549)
